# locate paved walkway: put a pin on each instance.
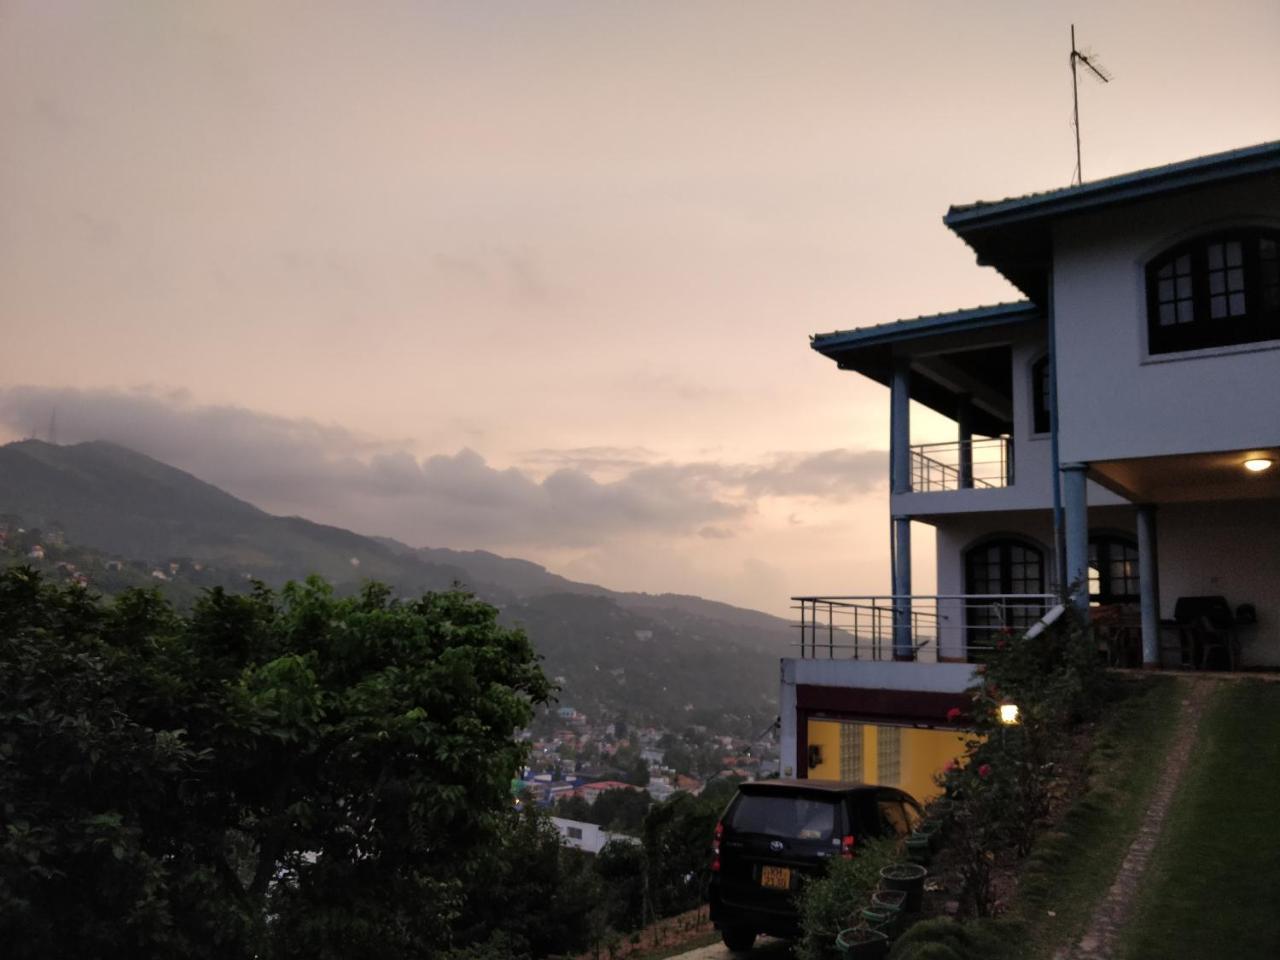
(1103, 933)
(766, 948)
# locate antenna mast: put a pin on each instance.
(1101, 73)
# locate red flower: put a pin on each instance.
(953, 714)
(950, 766)
(984, 771)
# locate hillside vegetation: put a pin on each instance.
(642, 656)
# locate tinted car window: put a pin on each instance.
(794, 818)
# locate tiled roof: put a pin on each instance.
(1236, 162)
(969, 318)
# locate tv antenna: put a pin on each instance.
(1100, 73)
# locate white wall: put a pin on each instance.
(1032, 453)
(1227, 549)
(1115, 401)
(593, 837)
(956, 534)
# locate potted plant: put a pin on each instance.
(862, 943)
(933, 830)
(894, 900)
(878, 918)
(918, 848)
(909, 878)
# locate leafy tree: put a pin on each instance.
(677, 848)
(679, 758)
(277, 775)
(621, 809)
(720, 790)
(637, 772)
(620, 864)
(573, 807)
(533, 896)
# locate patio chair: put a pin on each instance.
(1208, 625)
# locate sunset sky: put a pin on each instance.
(538, 277)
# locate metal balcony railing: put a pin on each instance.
(920, 626)
(960, 465)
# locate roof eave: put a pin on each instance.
(963, 321)
(1264, 158)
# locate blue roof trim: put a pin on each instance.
(1262, 158)
(939, 323)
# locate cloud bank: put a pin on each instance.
(459, 499)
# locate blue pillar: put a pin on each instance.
(900, 427)
(964, 423)
(1076, 508)
(1149, 585)
(900, 474)
(902, 643)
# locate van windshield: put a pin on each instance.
(795, 818)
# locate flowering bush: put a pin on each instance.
(1000, 787)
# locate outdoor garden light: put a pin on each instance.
(1008, 713)
(1257, 464)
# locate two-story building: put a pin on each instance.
(1116, 446)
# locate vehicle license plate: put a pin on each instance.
(778, 878)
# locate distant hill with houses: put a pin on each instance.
(129, 519)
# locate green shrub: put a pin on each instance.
(827, 903)
(928, 951)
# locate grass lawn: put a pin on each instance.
(1071, 868)
(1213, 888)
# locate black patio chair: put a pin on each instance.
(1210, 626)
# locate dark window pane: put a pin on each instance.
(794, 818)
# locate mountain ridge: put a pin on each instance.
(124, 503)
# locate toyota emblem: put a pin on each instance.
(775, 845)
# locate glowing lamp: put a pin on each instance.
(1009, 713)
(1257, 464)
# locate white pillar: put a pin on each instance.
(1076, 508)
(787, 715)
(1149, 585)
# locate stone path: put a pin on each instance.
(1103, 933)
(766, 949)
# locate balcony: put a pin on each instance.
(985, 464)
(919, 627)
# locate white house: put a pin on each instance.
(587, 836)
(1117, 434)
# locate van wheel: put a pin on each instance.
(738, 939)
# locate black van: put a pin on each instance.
(774, 832)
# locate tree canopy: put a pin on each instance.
(276, 775)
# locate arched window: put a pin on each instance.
(1113, 569)
(1002, 565)
(1215, 291)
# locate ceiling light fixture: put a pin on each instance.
(1257, 464)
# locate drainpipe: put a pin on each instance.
(1059, 533)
